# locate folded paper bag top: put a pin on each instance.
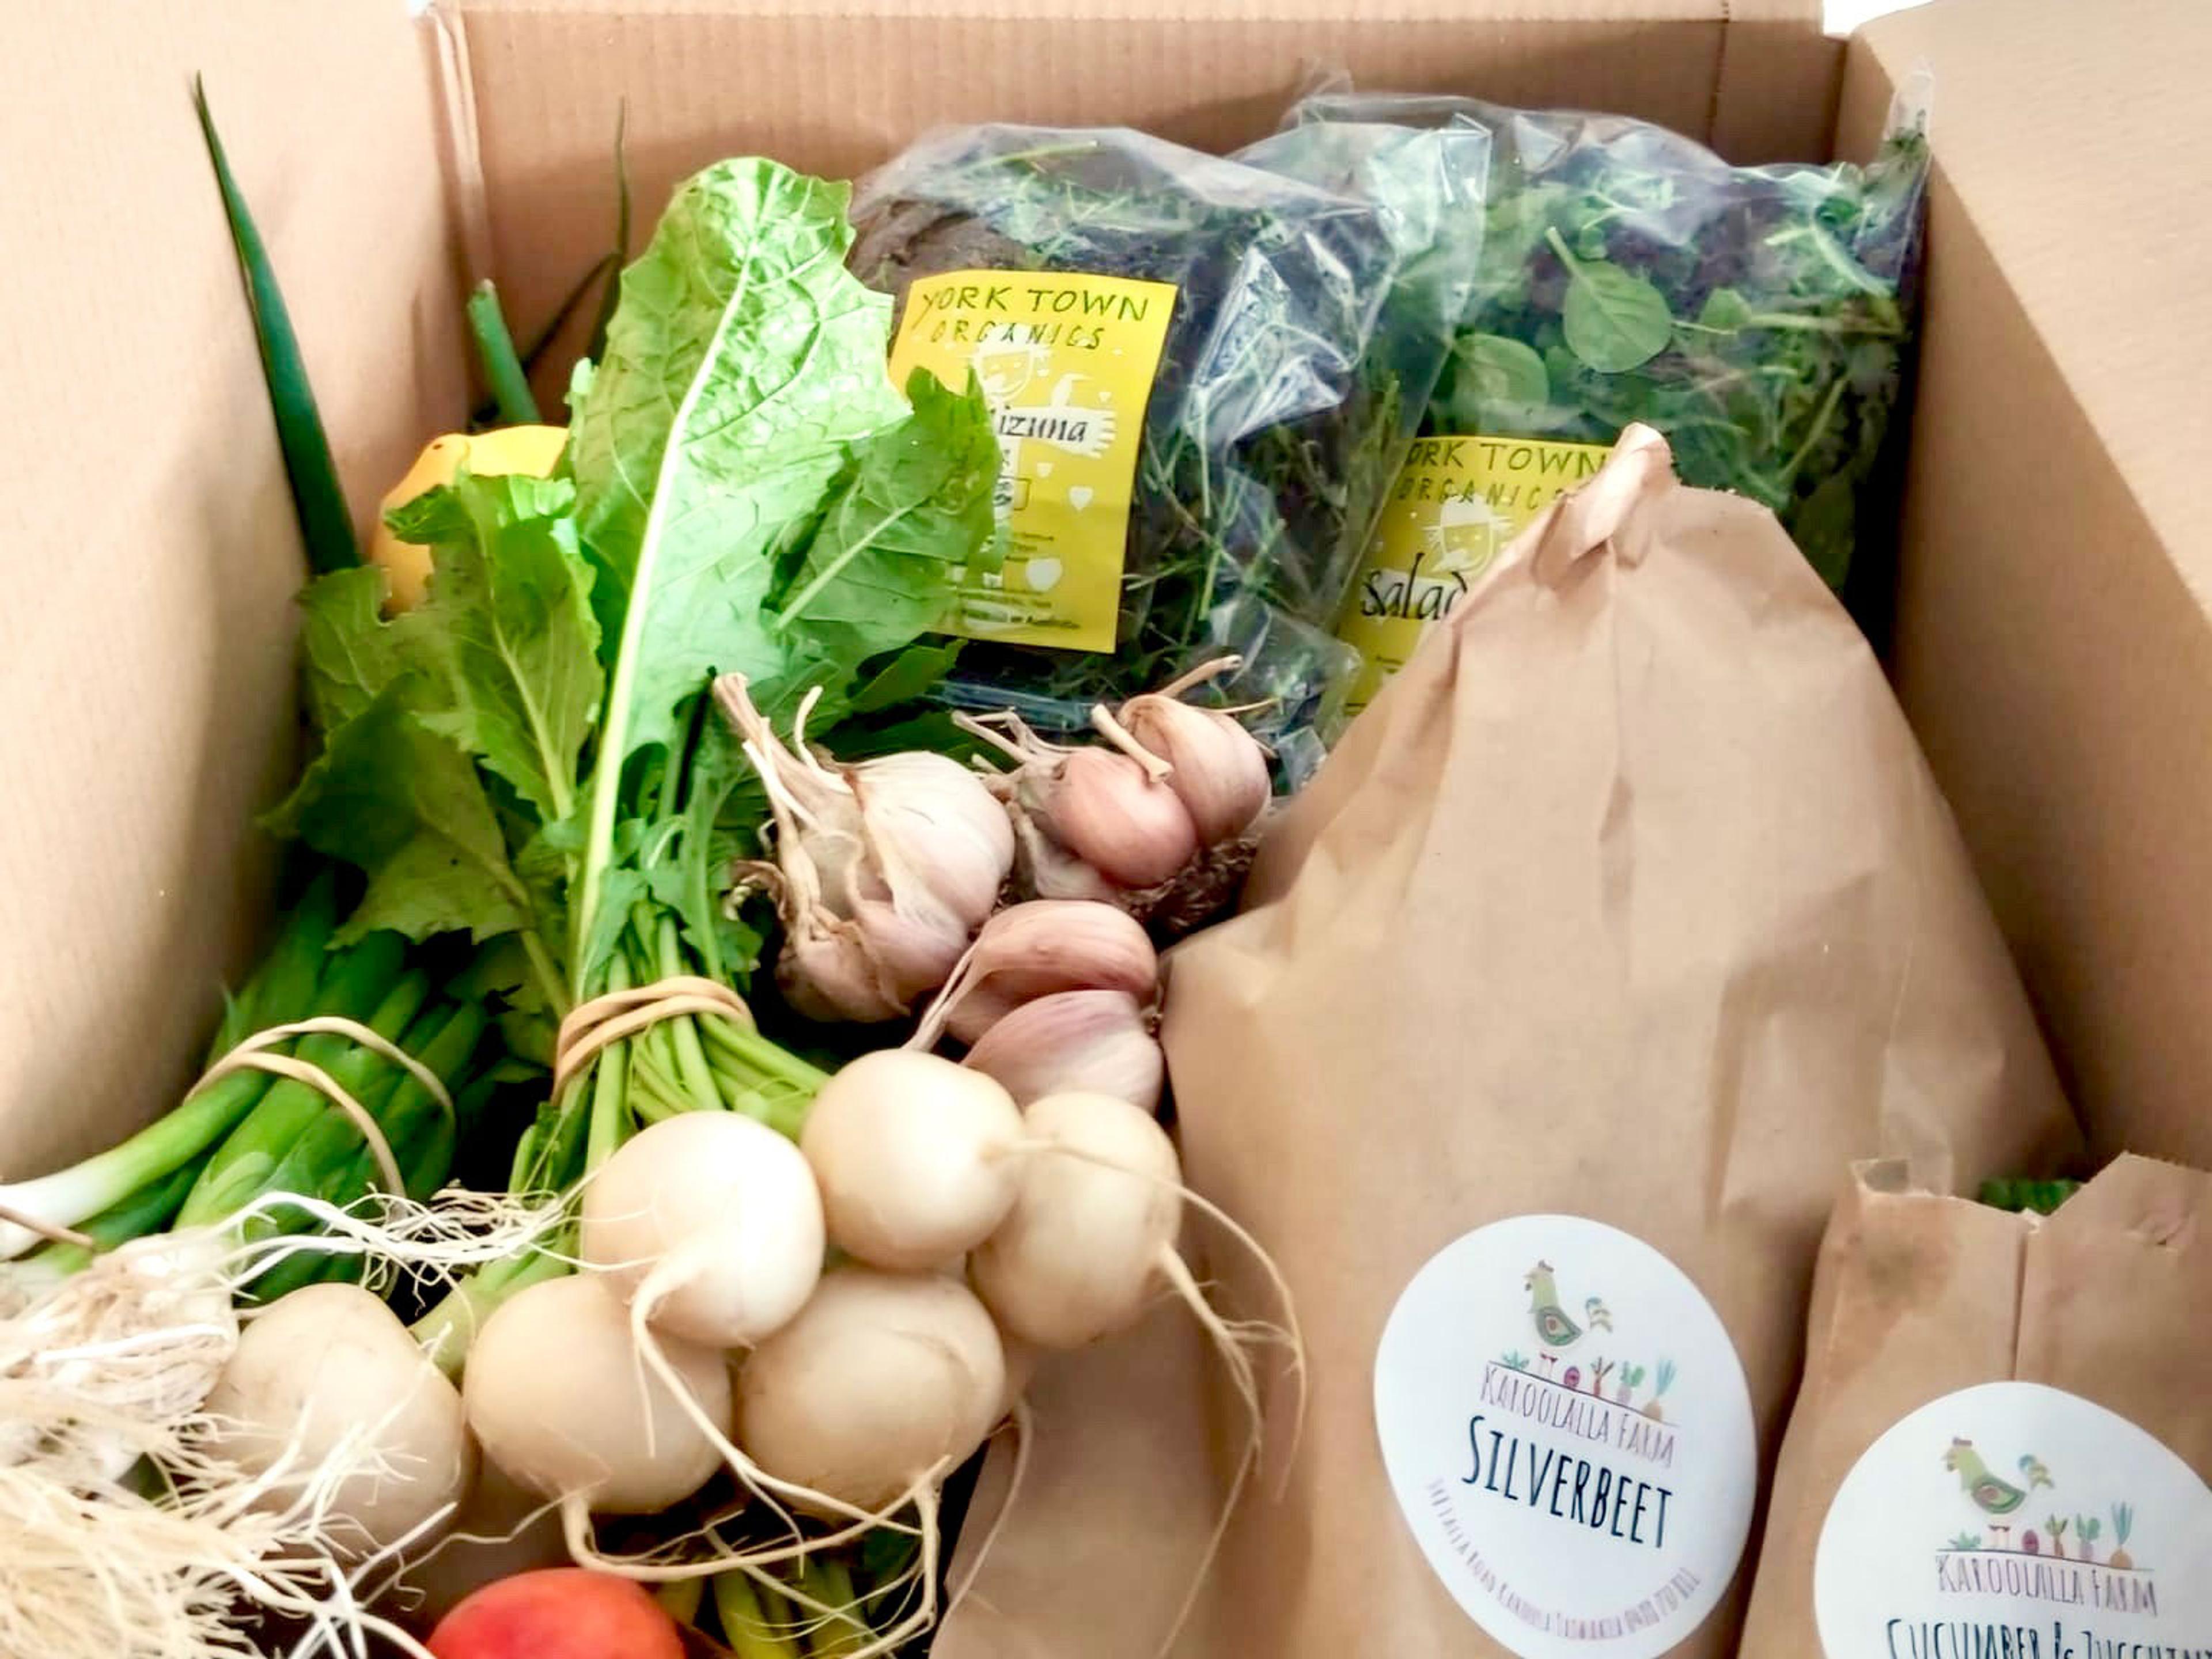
(2002, 1422)
(1625, 921)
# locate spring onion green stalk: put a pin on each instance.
(503, 371)
(326, 521)
(299, 977)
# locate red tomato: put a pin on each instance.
(561, 1613)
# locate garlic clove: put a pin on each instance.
(1101, 807)
(1035, 948)
(1074, 1041)
(1218, 769)
(1044, 869)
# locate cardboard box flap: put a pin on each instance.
(2079, 154)
(151, 558)
(2053, 640)
(839, 85)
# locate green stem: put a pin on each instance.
(1560, 246)
(748, 1628)
(828, 1581)
(446, 1330)
(609, 1079)
(503, 371)
(684, 1031)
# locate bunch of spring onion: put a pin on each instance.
(247, 1134)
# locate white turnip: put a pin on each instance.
(915, 1157)
(879, 1389)
(328, 1372)
(712, 1219)
(556, 1396)
(1083, 1249)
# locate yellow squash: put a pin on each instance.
(531, 449)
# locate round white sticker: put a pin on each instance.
(1567, 1429)
(2018, 1522)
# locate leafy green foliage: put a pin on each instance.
(744, 380)
(509, 631)
(1755, 316)
(915, 503)
(403, 802)
(1612, 320)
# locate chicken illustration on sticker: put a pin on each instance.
(1568, 1432)
(2039, 1503)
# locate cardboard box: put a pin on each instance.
(2052, 642)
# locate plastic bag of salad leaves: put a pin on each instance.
(1197, 416)
(1758, 317)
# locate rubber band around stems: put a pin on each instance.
(251, 1054)
(594, 1025)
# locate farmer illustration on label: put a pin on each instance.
(1033, 410)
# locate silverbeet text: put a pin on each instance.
(1566, 1487)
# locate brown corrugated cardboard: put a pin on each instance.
(2052, 646)
(2052, 642)
(143, 515)
(837, 86)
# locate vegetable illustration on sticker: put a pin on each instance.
(1516, 1391)
(2034, 1501)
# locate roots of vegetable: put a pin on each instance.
(90, 1563)
(122, 1533)
(705, 1553)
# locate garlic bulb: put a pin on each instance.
(881, 871)
(1074, 1041)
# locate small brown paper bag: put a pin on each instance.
(1622, 923)
(1919, 1299)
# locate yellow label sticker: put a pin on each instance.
(1066, 361)
(1456, 504)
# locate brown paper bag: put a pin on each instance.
(1630, 907)
(1919, 1305)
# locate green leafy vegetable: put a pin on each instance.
(915, 505)
(743, 362)
(1755, 316)
(1503, 371)
(509, 623)
(1613, 321)
(1276, 418)
(403, 802)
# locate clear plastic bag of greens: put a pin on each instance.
(1759, 317)
(1197, 416)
